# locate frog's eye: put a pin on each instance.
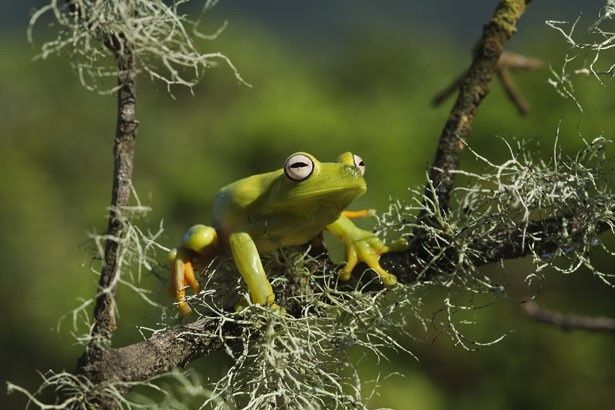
(298, 167)
(358, 162)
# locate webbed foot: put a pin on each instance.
(368, 251)
(363, 246)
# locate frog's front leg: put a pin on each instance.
(361, 246)
(248, 262)
(197, 243)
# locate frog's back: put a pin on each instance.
(233, 202)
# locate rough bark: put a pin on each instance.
(123, 155)
(160, 353)
(96, 357)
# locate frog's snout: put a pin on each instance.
(357, 176)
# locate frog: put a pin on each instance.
(287, 207)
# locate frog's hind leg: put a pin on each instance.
(196, 244)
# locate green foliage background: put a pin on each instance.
(370, 97)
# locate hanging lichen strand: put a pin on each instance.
(164, 41)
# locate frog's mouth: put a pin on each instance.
(354, 191)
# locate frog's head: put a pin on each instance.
(307, 181)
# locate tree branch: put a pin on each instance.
(162, 352)
(567, 322)
(123, 154)
(178, 347)
(474, 88)
(541, 237)
(96, 356)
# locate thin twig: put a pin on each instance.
(519, 62)
(444, 94)
(523, 107)
(567, 322)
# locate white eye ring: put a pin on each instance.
(358, 162)
(298, 167)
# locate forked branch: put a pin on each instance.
(473, 89)
(508, 62)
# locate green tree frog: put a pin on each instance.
(287, 207)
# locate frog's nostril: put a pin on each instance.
(351, 170)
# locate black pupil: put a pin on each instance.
(298, 165)
(361, 164)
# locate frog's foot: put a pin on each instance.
(182, 276)
(367, 250)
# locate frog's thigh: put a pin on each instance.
(249, 263)
(199, 237)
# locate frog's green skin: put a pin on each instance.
(265, 212)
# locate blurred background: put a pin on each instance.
(326, 77)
